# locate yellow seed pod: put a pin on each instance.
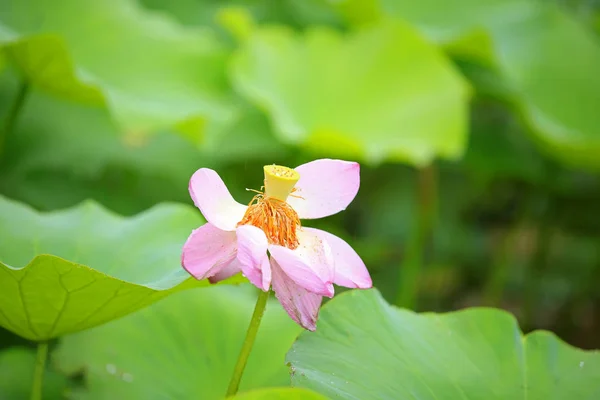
(279, 181)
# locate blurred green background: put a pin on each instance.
(476, 123)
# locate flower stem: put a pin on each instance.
(38, 374)
(426, 209)
(13, 113)
(259, 310)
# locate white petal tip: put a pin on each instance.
(330, 291)
(366, 284)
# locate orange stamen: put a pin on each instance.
(275, 217)
(295, 195)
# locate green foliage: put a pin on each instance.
(548, 61)
(184, 346)
(52, 162)
(315, 90)
(366, 349)
(70, 270)
(497, 148)
(107, 108)
(149, 71)
(280, 394)
(16, 372)
(86, 155)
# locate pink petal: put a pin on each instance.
(252, 255)
(326, 187)
(350, 270)
(211, 196)
(301, 305)
(266, 272)
(310, 265)
(208, 250)
(226, 272)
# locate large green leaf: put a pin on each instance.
(381, 93)
(150, 71)
(183, 347)
(280, 394)
(367, 349)
(16, 376)
(549, 62)
(69, 270)
(553, 63)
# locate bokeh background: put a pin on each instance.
(476, 123)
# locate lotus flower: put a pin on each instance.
(266, 241)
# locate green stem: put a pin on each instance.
(13, 113)
(259, 310)
(411, 266)
(38, 374)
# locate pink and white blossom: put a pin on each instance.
(266, 242)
